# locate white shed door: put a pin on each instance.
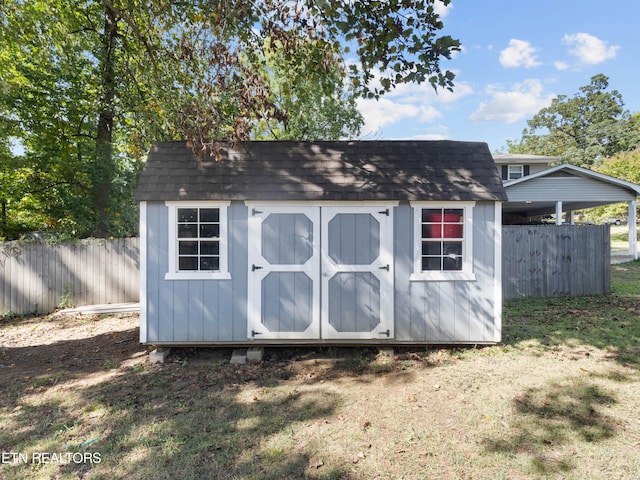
(284, 290)
(320, 272)
(357, 273)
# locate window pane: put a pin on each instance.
(431, 263)
(210, 230)
(188, 248)
(209, 248)
(209, 263)
(188, 230)
(209, 214)
(431, 214)
(452, 263)
(187, 215)
(452, 249)
(431, 248)
(432, 230)
(453, 215)
(452, 230)
(452, 256)
(188, 263)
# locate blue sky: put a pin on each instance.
(517, 55)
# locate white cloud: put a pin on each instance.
(590, 50)
(417, 102)
(382, 112)
(427, 136)
(519, 53)
(428, 113)
(524, 99)
(561, 65)
(442, 9)
(460, 90)
(424, 93)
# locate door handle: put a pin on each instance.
(386, 267)
(255, 267)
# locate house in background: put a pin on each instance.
(368, 242)
(535, 190)
(513, 166)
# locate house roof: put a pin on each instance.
(576, 187)
(520, 158)
(578, 171)
(336, 170)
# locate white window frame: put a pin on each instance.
(510, 170)
(173, 273)
(466, 274)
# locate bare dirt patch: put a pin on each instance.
(71, 342)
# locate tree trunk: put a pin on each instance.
(3, 220)
(104, 167)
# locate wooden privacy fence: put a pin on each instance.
(38, 277)
(555, 260)
(35, 277)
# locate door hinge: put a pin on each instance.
(255, 212)
(255, 267)
(387, 333)
(254, 333)
(386, 267)
(385, 212)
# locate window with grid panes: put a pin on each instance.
(442, 235)
(198, 239)
(442, 241)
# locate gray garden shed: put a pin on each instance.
(369, 242)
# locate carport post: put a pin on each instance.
(633, 230)
(559, 212)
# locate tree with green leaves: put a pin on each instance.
(583, 129)
(310, 113)
(625, 166)
(85, 87)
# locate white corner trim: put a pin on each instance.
(143, 272)
(497, 291)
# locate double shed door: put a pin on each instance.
(320, 272)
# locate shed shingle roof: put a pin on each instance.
(338, 170)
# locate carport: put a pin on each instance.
(567, 188)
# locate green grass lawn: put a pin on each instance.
(620, 237)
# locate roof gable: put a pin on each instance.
(341, 170)
(567, 169)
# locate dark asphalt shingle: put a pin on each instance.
(338, 170)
